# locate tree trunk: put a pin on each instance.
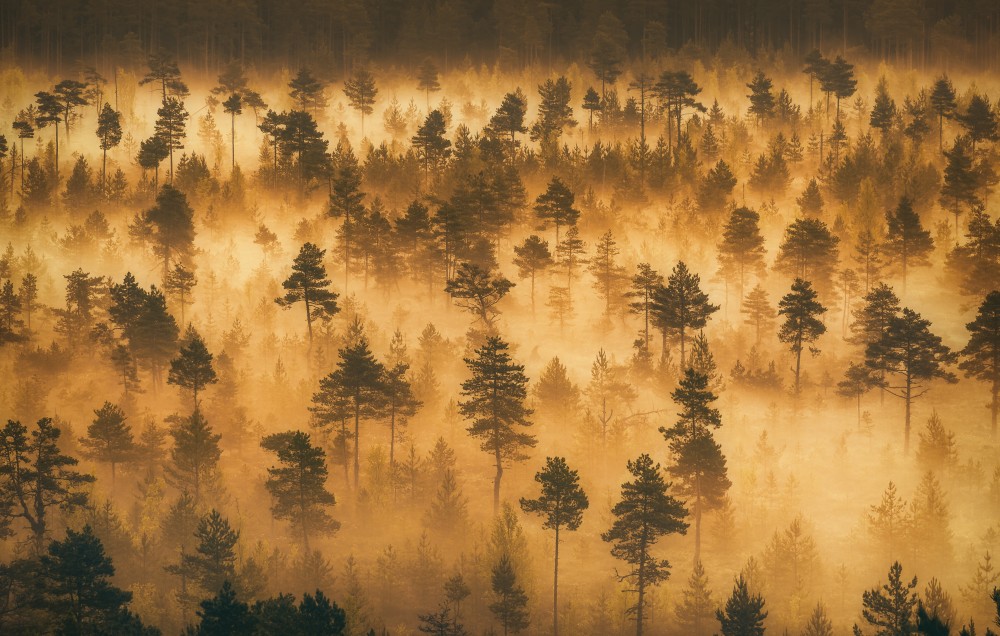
(993, 405)
(798, 367)
(496, 483)
(555, 590)
(641, 585)
(357, 448)
(907, 396)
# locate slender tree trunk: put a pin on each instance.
(697, 524)
(357, 440)
(798, 366)
(309, 323)
(641, 584)
(993, 404)
(555, 590)
(907, 396)
(496, 483)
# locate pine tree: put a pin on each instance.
(943, 100)
(76, 579)
(400, 403)
(163, 70)
(28, 295)
(591, 103)
(554, 111)
(309, 284)
(607, 52)
(357, 381)
(819, 624)
(760, 314)
(478, 291)
(427, 79)
(716, 189)
(213, 563)
(609, 275)
(49, 112)
(109, 132)
(195, 455)
(511, 604)
(233, 106)
(680, 306)
(698, 462)
(801, 327)
(298, 486)
(509, 120)
(841, 81)
(858, 380)
(811, 201)
(645, 513)
(979, 121)
(433, 148)
(884, 112)
(170, 127)
(889, 521)
(109, 438)
(496, 393)
(37, 478)
(981, 355)
(561, 504)
(179, 283)
(361, 92)
(744, 612)
(172, 222)
(907, 242)
(224, 614)
(307, 91)
(761, 97)
(907, 349)
(891, 608)
(808, 251)
(192, 368)
(742, 247)
(531, 257)
(155, 336)
(555, 206)
(961, 182)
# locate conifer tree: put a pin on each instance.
(609, 276)
(179, 283)
(645, 513)
(358, 382)
(495, 405)
(891, 608)
(531, 257)
(561, 504)
(908, 350)
(478, 291)
(884, 112)
(109, 132)
(607, 51)
(170, 128)
(195, 455)
(802, 327)
(961, 182)
(696, 609)
(858, 380)
(308, 284)
(163, 70)
(811, 201)
(233, 106)
(808, 251)
(759, 312)
(298, 485)
(681, 307)
(307, 91)
(555, 206)
(979, 121)
(591, 103)
(744, 612)
(761, 97)
(213, 562)
(361, 92)
(742, 247)
(511, 604)
(427, 79)
(37, 478)
(554, 111)
(49, 112)
(644, 285)
(981, 355)
(192, 368)
(509, 120)
(907, 243)
(433, 148)
(109, 438)
(400, 403)
(698, 462)
(942, 99)
(172, 223)
(819, 624)
(889, 521)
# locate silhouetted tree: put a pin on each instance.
(802, 327)
(170, 127)
(891, 608)
(194, 459)
(943, 100)
(192, 368)
(478, 291)
(308, 284)
(495, 405)
(907, 242)
(981, 355)
(561, 504)
(361, 92)
(742, 247)
(109, 132)
(744, 612)
(645, 513)
(427, 80)
(511, 604)
(680, 306)
(307, 91)
(109, 438)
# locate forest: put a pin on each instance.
(474, 317)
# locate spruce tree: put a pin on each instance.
(213, 562)
(981, 355)
(979, 121)
(561, 504)
(802, 327)
(943, 101)
(172, 222)
(908, 350)
(308, 284)
(511, 604)
(495, 406)
(761, 97)
(609, 276)
(170, 128)
(883, 115)
(298, 485)
(645, 513)
(696, 609)
(961, 181)
(759, 312)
